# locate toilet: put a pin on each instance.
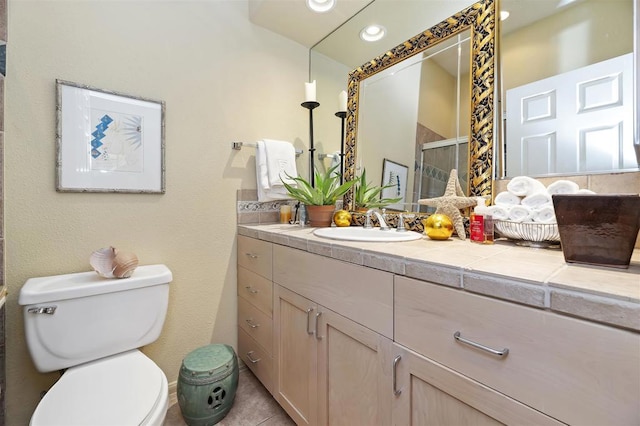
(91, 327)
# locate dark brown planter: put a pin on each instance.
(598, 229)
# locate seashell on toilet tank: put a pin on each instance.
(124, 264)
(110, 262)
(101, 261)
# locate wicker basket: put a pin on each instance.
(528, 231)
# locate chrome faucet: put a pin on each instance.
(401, 227)
(380, 217)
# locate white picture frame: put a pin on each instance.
(395, 174)
(108, 141)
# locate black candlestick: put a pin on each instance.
(311, 105)
(342, 115)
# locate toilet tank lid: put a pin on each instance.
(83, 284)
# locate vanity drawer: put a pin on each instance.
(575, 371)
(256, 359)
(364, 295)
(256, 324)
(255, 255)
(256, 289)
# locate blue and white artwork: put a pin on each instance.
(116, 142)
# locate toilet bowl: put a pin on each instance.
(133, 391)
(92, 327)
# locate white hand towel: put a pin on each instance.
(585, 191)
(524, 185)
(499, 212)
(545, 214)
(267, 191)
(563, 187)
(520, 214)
(537, 200)
(507, 199)
(335, 161)
(261, 166)
(280, 161)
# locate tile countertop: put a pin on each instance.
(525, 275)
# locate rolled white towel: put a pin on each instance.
(524, 185)
(563, 187)
(537, 200)
(499, 212)
(520, 214)
(505, 198)
(585, 192)
(545, 214)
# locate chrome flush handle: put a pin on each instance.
(49, 310)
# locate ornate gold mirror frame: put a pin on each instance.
(480, 18)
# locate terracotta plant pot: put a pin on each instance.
(320, 216)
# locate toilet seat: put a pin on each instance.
(123, 389)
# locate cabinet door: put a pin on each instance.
(295, 359)
(428, 393)
(354, 373)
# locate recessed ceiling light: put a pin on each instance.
(504, 14)
(373, 33)
(321, 6)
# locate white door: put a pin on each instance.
(575, 122)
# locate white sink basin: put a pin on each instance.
(358, 233)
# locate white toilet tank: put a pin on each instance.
(75, 318)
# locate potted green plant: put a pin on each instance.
(367, 196)
(319, 199)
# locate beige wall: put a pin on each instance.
(223, 79)
(590, 32)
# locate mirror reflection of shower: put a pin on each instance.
(436, 161)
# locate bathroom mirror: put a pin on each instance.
(567, 88)
(335, 56)
(476, 25)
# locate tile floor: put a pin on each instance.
(253, 406)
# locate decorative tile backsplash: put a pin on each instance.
(250, 210)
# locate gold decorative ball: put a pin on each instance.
(342, 218)
(438, 227)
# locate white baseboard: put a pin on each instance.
(173, 393)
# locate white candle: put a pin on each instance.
(342, 101)
(310, 92)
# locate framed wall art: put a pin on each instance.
(394, 174)
(108, 141)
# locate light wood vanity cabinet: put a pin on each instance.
(575, 371)
(428, 393)
(255, 304)
(329, 369)
(358, 346)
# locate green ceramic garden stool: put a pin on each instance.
(207, 384)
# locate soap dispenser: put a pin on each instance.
(481, 223)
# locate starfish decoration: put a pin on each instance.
(451, 202)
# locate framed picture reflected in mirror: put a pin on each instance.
(394, 176)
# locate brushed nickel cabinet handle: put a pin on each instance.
(318, 336)
(252, 256)
(251, 289)
(309, 331)
(253, 361)
(501, 353)
(396, 391)
(251, 323)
